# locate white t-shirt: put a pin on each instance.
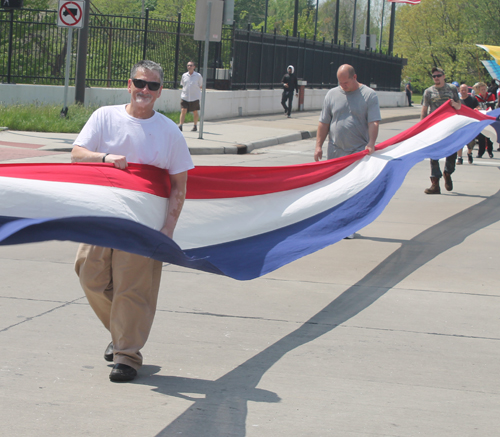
(155, 141)
(191, 84)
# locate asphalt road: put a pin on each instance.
(394, 333)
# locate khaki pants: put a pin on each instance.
(122, 289)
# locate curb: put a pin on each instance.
(241, 149)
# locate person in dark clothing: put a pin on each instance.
(289, 82)
(409, 93)
(485, 101)
(471, 103)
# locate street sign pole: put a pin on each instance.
(64, 110)
(205, 62)
(70, 15)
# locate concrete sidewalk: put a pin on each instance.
(231, 136)
(393, 333)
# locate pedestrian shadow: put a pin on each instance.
(220, 407)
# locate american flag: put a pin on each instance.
(242, 222)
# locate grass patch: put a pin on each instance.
(416, 98)
(44, 118)
(47, 118)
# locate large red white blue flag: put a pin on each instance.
(242, 222)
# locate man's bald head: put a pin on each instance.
(347, 79)
(346, 69)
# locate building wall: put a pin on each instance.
(219, 104)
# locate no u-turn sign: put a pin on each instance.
(70, 14)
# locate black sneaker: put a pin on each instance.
(180, 127)
(460, 161)
(491, 155)
(194, 129)
(469, 157)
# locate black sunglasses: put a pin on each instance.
(437, 75)
(153, 86)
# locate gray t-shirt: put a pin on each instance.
(348, 114)
(435, 97)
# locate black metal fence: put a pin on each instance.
(262, 60)
(33, 50)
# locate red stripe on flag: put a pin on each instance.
(212, 182)
(145, 178)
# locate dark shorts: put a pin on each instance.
(191, 106)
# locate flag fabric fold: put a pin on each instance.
(242, 222)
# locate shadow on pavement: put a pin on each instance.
(221, 409)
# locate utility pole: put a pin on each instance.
(368, 45)
(381, 28)
(316, 20)
(391, 32)
(296, 18)
(81, 59)
(353, 43)
(337, 13)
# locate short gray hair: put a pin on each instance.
(147, 65)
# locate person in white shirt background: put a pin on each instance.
(192, 84)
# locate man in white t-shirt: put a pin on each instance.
(192, 84)
(121, 287)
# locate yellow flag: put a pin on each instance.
(493, 51)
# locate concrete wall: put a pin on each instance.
(219, 104)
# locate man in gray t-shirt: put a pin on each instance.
(434, 97)
(350, 115)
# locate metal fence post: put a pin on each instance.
(145, 34)
(297, 63)
(177, 46)
(305, 53)
(261, 54)
(11, 36)
(322, 63)
(286, 48)
(274, 59)
(248, 55)
(233, 36)
(110, 52)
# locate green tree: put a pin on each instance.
(444, 33)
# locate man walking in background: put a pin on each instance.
(434, 97)
(191, 83)
(469, 101)
(289, 82)
(409, 93)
